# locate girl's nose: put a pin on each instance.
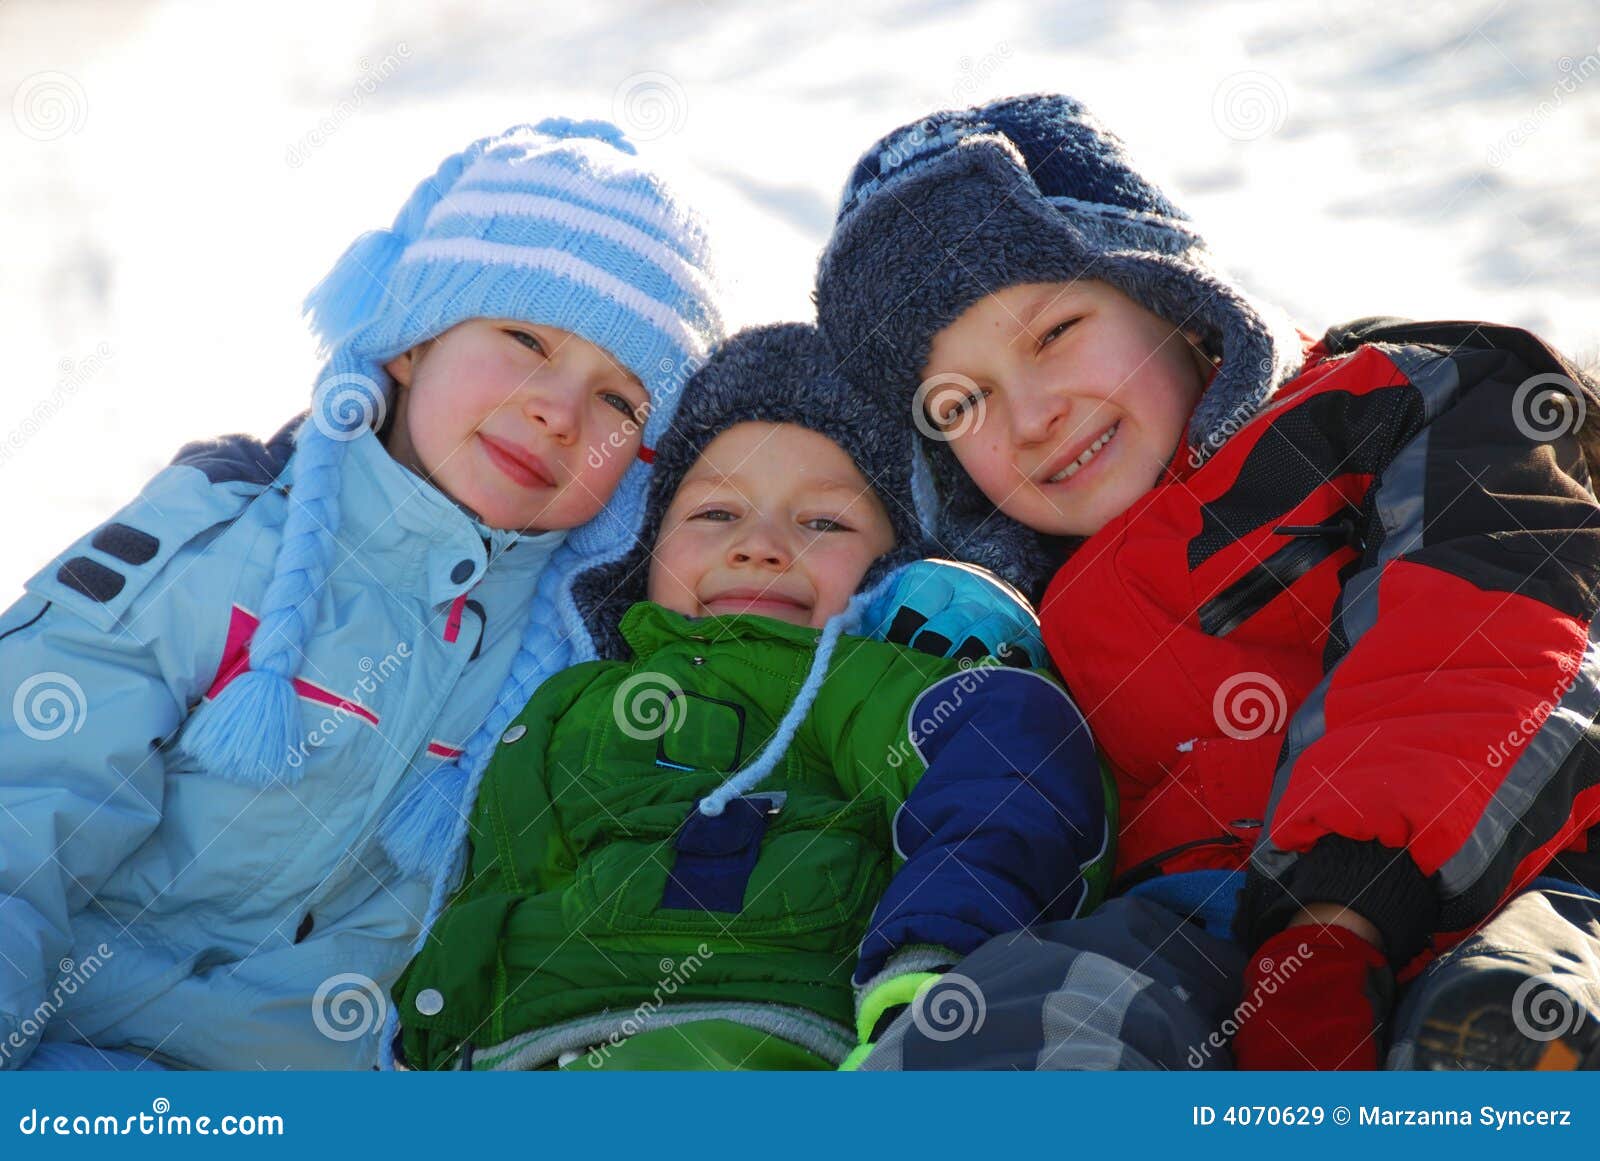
(554, 406)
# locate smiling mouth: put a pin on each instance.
(1088, 454)
(521, 467)
(766, 604)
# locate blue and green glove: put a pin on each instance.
(958, 610)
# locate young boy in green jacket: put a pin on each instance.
(757, 841)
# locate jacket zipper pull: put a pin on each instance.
(1346, 527)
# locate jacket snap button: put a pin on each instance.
(461, 572)
(430, 1001)
(697, 661)
(514, 733)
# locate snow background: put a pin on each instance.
(175, 176)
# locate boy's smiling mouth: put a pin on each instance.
(1062, 472)
(767, 602)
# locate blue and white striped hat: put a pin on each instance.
(556, 223)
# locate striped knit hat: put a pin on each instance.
(554, 223)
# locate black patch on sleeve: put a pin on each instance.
(91, 578)
(126, 543)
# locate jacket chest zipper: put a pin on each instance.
(1247, 596)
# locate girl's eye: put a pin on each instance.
(622, 403)
(527, 340)
(1056, 332)
(826, 524)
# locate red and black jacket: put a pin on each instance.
(1354, 650)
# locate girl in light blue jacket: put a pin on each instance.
(242, 721)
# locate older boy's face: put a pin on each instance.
(530, 426)
(772, 519)
(1081, 397)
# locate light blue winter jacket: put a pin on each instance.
(217, 925)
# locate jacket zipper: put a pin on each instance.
(1247, 596)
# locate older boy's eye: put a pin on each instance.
(1056, 332)
(951, 410)
(527, 340)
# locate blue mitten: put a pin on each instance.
(951, 609)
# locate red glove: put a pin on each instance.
(1315, 997)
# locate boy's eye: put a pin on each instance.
(527, 340)
(826, 524)
(718, 515)
(951, 410)
(1056, 332)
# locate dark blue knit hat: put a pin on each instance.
(780, 373)
(949, 209)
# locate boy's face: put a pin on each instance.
(771, 519)
(532, 427)
(1063, 368)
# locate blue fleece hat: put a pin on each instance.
(949, 209)
(556, 223)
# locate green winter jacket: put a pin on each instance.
(591, 910)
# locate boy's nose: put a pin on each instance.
(1037, 414)
(759, 546)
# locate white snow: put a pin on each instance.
(174, 176)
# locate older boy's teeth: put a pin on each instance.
(1071, 469)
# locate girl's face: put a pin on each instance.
(529, 426)
(772, 519)
(1063, 401)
